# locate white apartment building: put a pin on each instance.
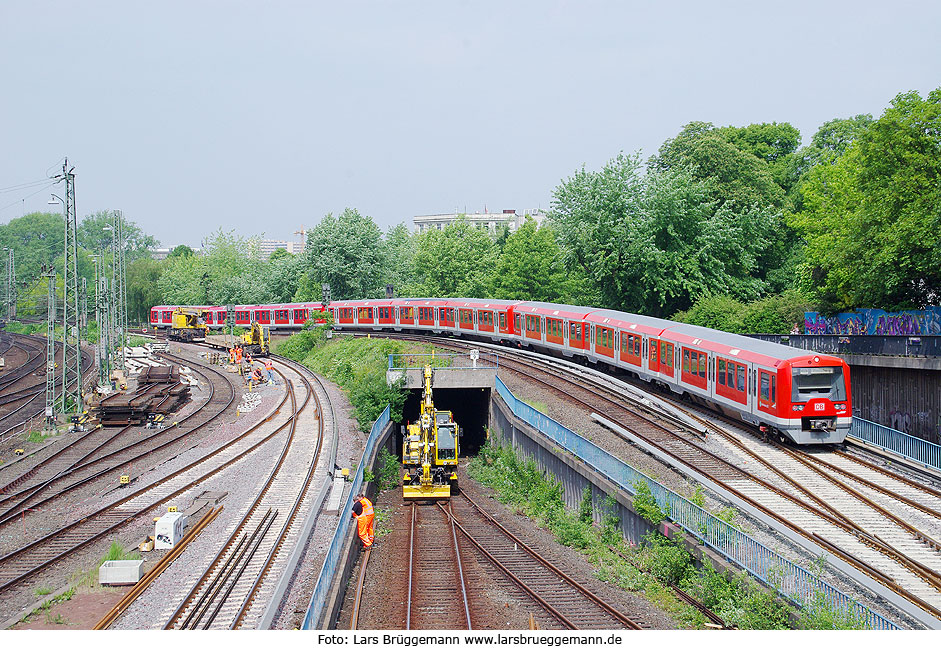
(490, 221)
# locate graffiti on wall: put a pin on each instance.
(876, 322)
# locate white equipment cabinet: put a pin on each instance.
(169, 530)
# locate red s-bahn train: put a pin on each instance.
(783, 390)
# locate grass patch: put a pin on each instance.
(538, 405)
(383, 521)
(45, 606)
(116, 552)
(358, 365)
(650, 568)
(42, 591)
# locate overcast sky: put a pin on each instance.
(264, 116)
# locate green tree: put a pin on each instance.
(143, 287)
(181, 251)
(655, 243)
(94, 233)
(281, 274)
(739, 178)
(36, 239)
(226, 271)
(454, 262)
(830, 142)
(872, 218)
(530, 266)
(400, 248)
(345, 252)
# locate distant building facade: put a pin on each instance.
(489, 221)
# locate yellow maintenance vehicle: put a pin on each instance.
(188, 324)
(255, 341)
(429, 450)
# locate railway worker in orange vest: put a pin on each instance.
(238, 355)
(363, 513)
(231, 355)
(269, 367)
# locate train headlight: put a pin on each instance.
(840, 407)
(797, 407)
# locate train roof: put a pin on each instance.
(642, 323)
(480, 303)
(737, 342)
(548, 308)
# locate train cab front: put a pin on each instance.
(821, 408)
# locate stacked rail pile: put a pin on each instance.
(159, 392)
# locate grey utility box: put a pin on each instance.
(112, 573)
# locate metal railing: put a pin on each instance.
(915, 346)
(911, 448)
(327, 571)
(766, 565)
(479, 360)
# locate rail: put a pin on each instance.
(327, 571)
(909, 447)
(478, 360)
(766, 565)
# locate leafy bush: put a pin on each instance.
(737, 599)
(775, 314)
(666, 560)
(819, 614)
(585, 508)
(389, 470)
(646, 505)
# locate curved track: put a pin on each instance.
(857, 515)
(225, 593)
(103, 451)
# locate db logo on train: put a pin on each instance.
(820, 406)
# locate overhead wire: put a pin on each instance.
(20, 200)
(32, 183)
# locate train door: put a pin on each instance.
(767, 392)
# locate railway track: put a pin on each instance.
(819, 494)
(449, 545)
(562, 596)
(13, 388)
(225, 593)
(21, 567)
(437, 593)
(871, 538)
(95, 455)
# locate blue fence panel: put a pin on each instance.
(319, 597)
(764, 564)
(912, 448)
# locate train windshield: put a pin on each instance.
(817, 382)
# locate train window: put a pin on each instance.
(740, 370)
(764, 388)
(446, 443)
(702, 366)
(815, 382)
(502, 320)
(774, 391)
(686, 360)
